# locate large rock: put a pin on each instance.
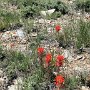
(85, 88)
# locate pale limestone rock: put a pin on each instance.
(20, 33)
(85, 88)
(33, 34)
(42, 21)
(48, 12)
(68, 55)
(43, 13)
(12, 87)
(1, 81)
(17, 84)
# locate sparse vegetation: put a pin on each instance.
(47, 41)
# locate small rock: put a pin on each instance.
(12, 87)
(80, 57)
(49, 12)
(33, 34)
(85, 88)
(68, 55)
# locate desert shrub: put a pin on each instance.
(83, 5)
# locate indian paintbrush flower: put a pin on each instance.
(40, 50)
(59, 80)
(48, 58)
(57, 28)
(59, 60)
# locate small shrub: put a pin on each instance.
(83, 5)
(61, 7)
(32, 82)
(8, 19)
(77, 34)
(30, 11)
(71, 83)
(14, 63)
(56, 15)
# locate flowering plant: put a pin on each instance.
(59, 80)
(48, 58)
(59, 60)
(57, 28)
(40, 50)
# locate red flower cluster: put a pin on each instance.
(40, 50)
(48, 58)
(59, 60)
(59, 80)
(57, 28)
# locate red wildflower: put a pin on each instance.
(40, 50)
(59, 60)
(58, 28)
(59, 80)
(48, 58)
(59, 64)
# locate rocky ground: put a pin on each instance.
(76, 64)
(17, 40)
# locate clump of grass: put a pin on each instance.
(77, 34)
(32, 82)
(83, 37)
(71, 83)
(8, 19)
